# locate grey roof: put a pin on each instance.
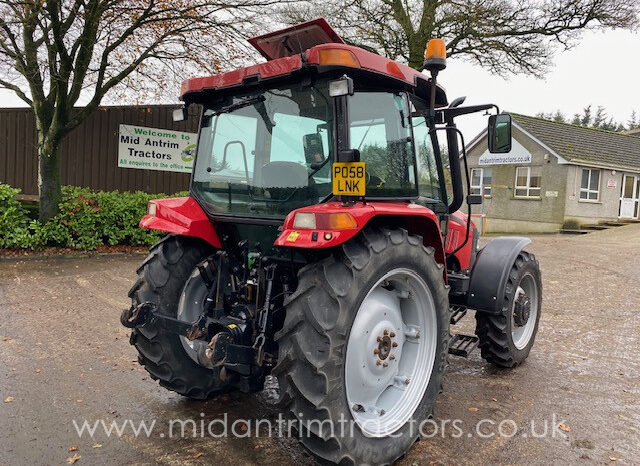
(578, 145)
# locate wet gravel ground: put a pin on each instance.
(64, 358)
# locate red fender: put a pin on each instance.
(181, 216)
(417, 218)
(456, 233)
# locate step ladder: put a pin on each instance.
(462, 345)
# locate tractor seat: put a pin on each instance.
(284, 175)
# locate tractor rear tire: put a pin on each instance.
(322, 324)
(498, 334)
(161, 278)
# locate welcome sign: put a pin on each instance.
(156, 149)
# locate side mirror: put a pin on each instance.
(499, 133)
(180, 114)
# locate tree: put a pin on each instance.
(505, 36)
(634, 121)
(599, 120)
(55, 54)
(585, 119)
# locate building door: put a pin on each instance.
(630, 197)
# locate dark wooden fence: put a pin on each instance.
(90, 152)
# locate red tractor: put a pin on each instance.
(319, 245)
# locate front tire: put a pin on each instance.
(505, 339)
(327, 322)
(161, 281)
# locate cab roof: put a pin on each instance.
(310, 45)
(295, 39)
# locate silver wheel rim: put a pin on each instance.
(522, 335)
(190, 307)
(383, 388)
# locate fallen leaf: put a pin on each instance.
(8, 399)
(73, 459)
(198, 455)
(613, 458)
(73, 448)
(564, 428)
(473, 409)
(97, 445)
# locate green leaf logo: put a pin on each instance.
(188, 153)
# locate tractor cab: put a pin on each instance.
(271, 133)
(322, 243)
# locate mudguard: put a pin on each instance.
(490, 273)
(181, 216)
(416, 218)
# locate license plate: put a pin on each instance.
(349, 178)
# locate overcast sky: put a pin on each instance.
(603, 70)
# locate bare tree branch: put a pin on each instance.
(505, 36)
(55, 54)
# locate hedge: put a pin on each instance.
(87, 219)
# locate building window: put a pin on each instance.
(527, 182)
(481, 180)
(590, 186)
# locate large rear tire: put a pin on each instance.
(161, 280)
(505, 339)
(337, 337)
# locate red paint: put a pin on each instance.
(181, 216)
(283, 66)
(420, 220)
(370, 61)
(456, 234)
(269, 69)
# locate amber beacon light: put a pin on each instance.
(435, 55)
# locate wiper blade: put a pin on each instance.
(241, 104)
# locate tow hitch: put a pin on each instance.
(228, 340)
(146, 314)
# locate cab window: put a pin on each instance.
(379, 128)
(288, 137)
(428, 180)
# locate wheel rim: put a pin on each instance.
(391, 352)
(190, 308)
(521, 334)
